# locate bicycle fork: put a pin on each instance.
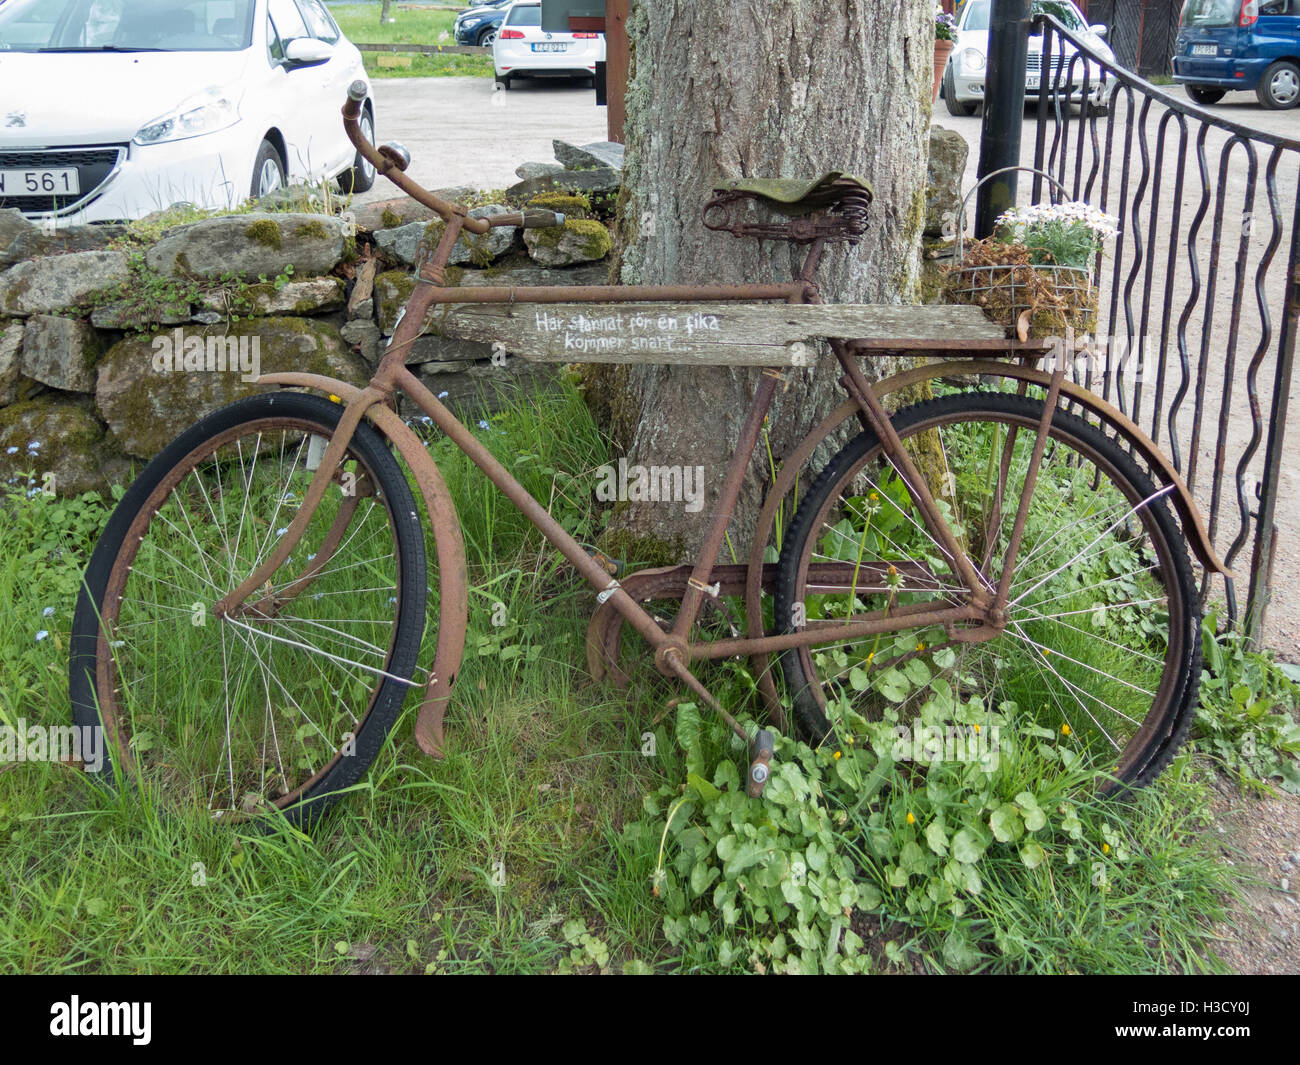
(990, 602)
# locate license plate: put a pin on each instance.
(1031, 81)
(1205, 49)
(49, 182)
(549, 46)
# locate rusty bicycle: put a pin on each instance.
(252, 618)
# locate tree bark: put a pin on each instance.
(765, 88)
(384, 11)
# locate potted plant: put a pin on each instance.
(945, 36)
(1033, 273)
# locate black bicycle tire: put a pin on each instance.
(1168, 736)
(369, 447)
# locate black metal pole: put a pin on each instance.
(1004, 109)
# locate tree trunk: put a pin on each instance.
(776, 88)
(384, 12)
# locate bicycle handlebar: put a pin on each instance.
(392, 160)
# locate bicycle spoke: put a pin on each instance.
(1093, 544)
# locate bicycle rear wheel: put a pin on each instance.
(287, 701)
(1099, 663)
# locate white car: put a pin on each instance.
(112, 109)
(963, 81)
(522, 47)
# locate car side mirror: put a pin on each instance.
(1099, 30)
(307, 52)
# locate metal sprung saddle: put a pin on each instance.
(832, 207)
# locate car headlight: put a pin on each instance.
(972, 61)
(206, 112)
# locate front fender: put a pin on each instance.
(453, 579)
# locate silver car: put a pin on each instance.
(963, 82)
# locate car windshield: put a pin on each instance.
(1210, 12)
(976, 14)
(525, 15)
(126, 25)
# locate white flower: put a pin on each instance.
(42, 635)
(482, 423)
(11, 450)
(48, 612)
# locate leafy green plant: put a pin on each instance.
(974, 838)
(1246, 711)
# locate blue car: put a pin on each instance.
(479, 24)
(1224, 45)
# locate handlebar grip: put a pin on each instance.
(396, 154)
(357, 92)
(536, 219)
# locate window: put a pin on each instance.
(975, 16)
(1211, 12)
(320, 23)
(287, 20)
(525, 16)
(1065, 13)
(162, 25)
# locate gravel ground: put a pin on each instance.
(462, 131)
(1261, 836)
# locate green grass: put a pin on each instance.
(360, 24)
(530, 848)
(542, 769)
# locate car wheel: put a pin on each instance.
(360, 176)
(955, 106)
(503, 81)
(1205, 95)
(486, 38)
(268, 171)
(1279, 88)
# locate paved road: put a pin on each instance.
(462, 131)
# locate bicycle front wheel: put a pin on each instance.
(1098, 665)
(285, 701)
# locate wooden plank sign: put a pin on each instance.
(702, 334)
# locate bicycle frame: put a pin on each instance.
(979, 617)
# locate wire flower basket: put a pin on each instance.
(1036, 300)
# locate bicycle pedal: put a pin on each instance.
(613, 566)
(761, 749)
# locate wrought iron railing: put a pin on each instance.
(1200, 291)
